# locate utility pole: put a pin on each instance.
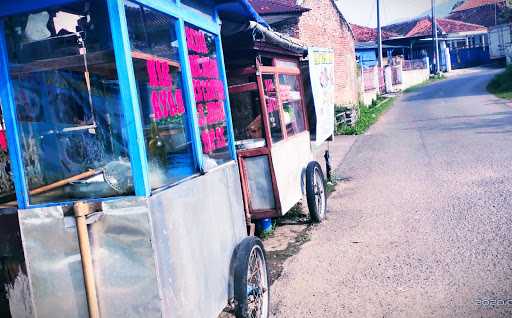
(379, 34)
(434, 37)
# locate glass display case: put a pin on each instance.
(271, 135)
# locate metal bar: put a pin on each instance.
(129, 97)
(379, 34)
(190, 101)
(11, 125)
(434, 35)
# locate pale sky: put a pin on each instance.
(364, 12)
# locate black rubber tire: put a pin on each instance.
(241, 266)
(315, 215)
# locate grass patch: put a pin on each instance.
(501, 85)
(432, 79)
(368, 115)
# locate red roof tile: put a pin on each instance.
(367, 34)
(486, 15)
(471, 4)
(264, 7)
(454, 26)
(423, 27)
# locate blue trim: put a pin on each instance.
(69, 203)
(9, 7)
(227, 106)
(188, 86)
(178, 12)
(11, 125)
(129, 97)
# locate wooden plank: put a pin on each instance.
(145, 56)
(280, 70)
(65, 62)
(242, 88)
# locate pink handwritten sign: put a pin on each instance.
(211, 113)
(164, 102)
(196, 40)
(272, 104)
(3, 141)
(213, 139)
(207, 90)
(203, 66)
(158, 73)
(269, 86)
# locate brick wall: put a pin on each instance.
(322, 26)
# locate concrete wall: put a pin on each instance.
(414, 77)
(408, 79)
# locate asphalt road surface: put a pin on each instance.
(423, 226)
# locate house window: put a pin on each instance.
(66, 91)
(209, 96)
(158, 74)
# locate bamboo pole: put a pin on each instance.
(53, 186)
(81, 210)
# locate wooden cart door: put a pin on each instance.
(259, 187)
(261, 197)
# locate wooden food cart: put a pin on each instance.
(270, 124)
(125, 198)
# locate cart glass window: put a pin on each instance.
(286, 63)
(6, 184)
(246, 113)
(209, 96)
(66, 91)
(290, 96)
(271, 99)
(159, 84)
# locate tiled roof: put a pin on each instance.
(264, 7)
(454, 26)
(367, 34)
(423, 27)
(471, 4)
(486, 15)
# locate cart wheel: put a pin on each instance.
(315, 192)
(251, 283)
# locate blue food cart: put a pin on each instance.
(121, 194)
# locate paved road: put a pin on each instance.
(424, 226)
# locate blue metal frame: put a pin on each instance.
(177, 11)
(8, 7)
(186, 74)
(11, 125)
(129, 98)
